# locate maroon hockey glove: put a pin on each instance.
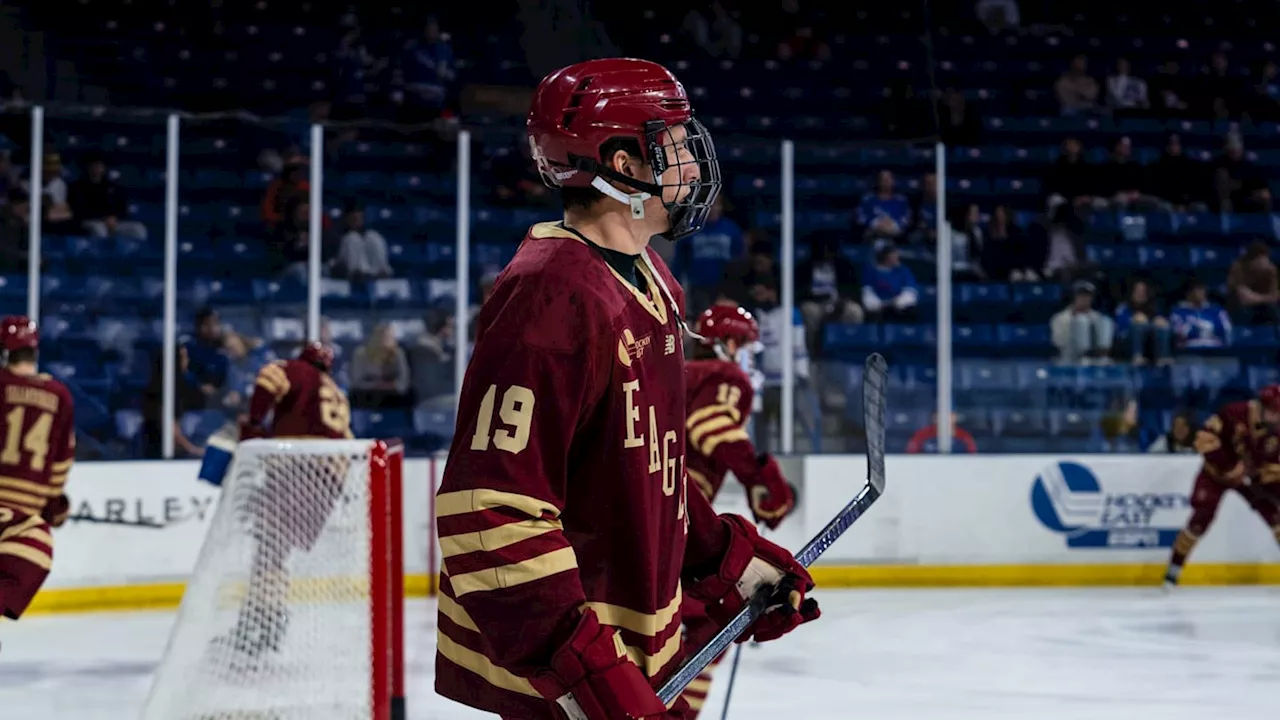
(591, 677)
(772, 499)
(749, 563)
(250, 431)
(57, 511)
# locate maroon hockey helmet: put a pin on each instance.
(728, 322)
(1270, 397)
(18, 332)
(317, 354)
(577, 109)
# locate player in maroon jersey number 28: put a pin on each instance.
(1240, 450)
(39, 447)
(291, 508)
(564, 523)
(720, 398)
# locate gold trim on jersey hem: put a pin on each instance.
(478, 664)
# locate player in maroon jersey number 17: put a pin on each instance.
(39, 448)
(1240, 447)
(720, 400)
(567, 535)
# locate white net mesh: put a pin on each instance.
(276, 619)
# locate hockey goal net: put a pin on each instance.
(295, 607)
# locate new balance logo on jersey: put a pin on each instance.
(671, 345)
(631, 348)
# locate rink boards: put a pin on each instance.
(1011, 520)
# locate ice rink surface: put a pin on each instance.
(902, 654)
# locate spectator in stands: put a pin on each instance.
(206, 363)
(1072, 179)
(1076, 90)
(1170, 91)
(1142, 332)
(1198, 322)
(427, 71)
(883, 213)
(1126, 180)
(998, 15)
(1264, 104)
(431, 360)
(1241, 186)
(1220, 92)
(58, 217)
(753, 282)
(968, 243)
(1081, 334)
(1066, 259)
(715, 31)
(924, 213)
(486, 289)
(100, 204)
(961, 126)
(1253, 286)
(153, 409)
(245, 357)
(826, 286)
(362, 254)
(1124, 91)
(1012, 255)
(288, 187)
(889, 289)
(925, 440)
(1181, 438)
(1179, 180)
(291, 241)
(380, 371)
(15, 232)
(720, 242)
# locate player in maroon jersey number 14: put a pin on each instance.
(720, 400)
(568, 537)
(1240, 448)
(293, 505)
(38, 449)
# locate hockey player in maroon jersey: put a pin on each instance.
(292, 508)
(1240, 447)
(39, 447)
(568, 536)
(720, 397)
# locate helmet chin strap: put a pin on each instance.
(634, 200)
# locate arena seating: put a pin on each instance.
(102, 297)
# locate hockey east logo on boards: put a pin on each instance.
(1067, 498)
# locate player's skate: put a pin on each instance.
(1171, 577)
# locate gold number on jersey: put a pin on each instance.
(728, 394)
(335, 413)
(516, 412)
(35, 441)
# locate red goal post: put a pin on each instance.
(295, 607)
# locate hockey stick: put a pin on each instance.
(874, 381)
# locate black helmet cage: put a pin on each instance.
(687, 215)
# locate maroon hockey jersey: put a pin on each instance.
(565, 484)
(719, 405)
(1235, 442)
(304, 400)
(40, 445)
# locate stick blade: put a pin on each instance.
(875, 381)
